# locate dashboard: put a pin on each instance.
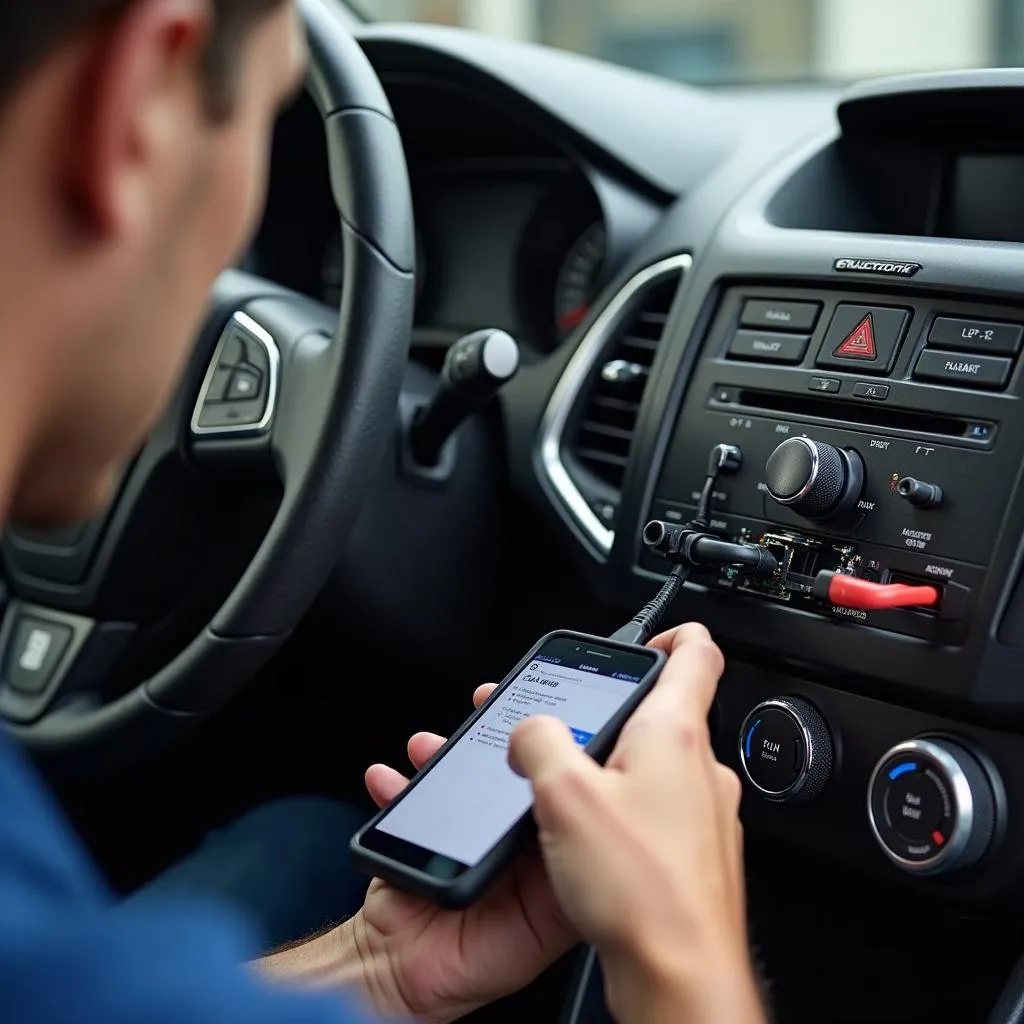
(513, 230)
(828, 284)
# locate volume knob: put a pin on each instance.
(786, 750)
(814, 479)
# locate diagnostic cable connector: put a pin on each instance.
(685, 545)
(865, 595)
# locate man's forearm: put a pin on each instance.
(688, 991)
(340, 959)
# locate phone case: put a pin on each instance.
(461, 892)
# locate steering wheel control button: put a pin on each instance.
(959, 368)
(874, 392)
(767, 314)
(931, 806)
(245, 384)
(997, 339)
(35, 652)
(218, 389)
(824, 385)
(786, 750)
(865, 337)
(765, 347)
(240, 390)
(814, 479)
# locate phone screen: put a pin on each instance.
(470, 799)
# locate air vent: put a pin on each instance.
(590, 421)
(605, 429)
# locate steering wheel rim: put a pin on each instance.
(332, 419)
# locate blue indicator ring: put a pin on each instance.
(750, 736)
(902, 769)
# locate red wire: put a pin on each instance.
(849, 592)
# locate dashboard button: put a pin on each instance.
(769, 347)
(970, 370)
(35, 653)
(826, 385)
(876, 392)
(976, 336)
(780, 316)
(865, 336)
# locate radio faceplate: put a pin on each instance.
(844, 374)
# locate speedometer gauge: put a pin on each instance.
(579, 278)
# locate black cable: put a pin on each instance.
(756, 559)
(641, 627)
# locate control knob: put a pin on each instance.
(814, 479)
(786, 750)
(932, 806)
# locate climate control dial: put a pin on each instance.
(786, 749)
(816, 480)
(932, 806)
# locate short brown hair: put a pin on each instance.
(31, 30)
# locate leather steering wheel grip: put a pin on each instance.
(335, 417)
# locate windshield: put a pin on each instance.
(741, 41)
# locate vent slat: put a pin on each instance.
(603, 458)
(646, 344)
(604, 434)
(614, 404)
(595, 427)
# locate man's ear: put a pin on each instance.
(141, 88)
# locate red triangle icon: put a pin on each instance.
(860, 343)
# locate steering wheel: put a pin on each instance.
(276, 383)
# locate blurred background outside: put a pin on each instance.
(747, 41)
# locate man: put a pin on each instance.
(133, 142)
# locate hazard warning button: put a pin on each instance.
(867, 337)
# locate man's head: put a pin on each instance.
(133, 150)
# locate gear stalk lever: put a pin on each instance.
(475, 369)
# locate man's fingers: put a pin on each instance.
(542, 750)
(384, 783)
(482, 693)
(682, 697)
(422, 747)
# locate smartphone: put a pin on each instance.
(465, 816)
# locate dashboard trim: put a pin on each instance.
(570, 385)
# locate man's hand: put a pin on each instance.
(645, 855)
(439, 965)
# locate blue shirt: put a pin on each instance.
(69, 954)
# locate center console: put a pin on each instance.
(866, 362)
